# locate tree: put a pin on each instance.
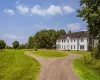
(15, 44)
(45, 39)
(2, 44)
(31, 42)
(90, 13)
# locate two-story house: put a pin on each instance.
(73, 41)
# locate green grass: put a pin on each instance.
(85, 71)
(15, 65)
(79, 52)
(50, 53)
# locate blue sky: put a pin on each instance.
(20, 19)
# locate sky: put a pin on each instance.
(20, 19)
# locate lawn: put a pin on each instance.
(14, 65)
(50, 53)
(85, 71)
(79, 52)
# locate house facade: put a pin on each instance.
(73, 41)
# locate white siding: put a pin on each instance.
(68, 42)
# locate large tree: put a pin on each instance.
(90, 13)
(15, 44)
(2, 44)
(45, 39)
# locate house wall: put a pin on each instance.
(65, 45)
(85, 43)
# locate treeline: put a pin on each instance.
(44, 39)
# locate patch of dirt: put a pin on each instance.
(56, 68)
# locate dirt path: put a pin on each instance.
(56, 68)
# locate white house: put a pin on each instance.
(73, 41)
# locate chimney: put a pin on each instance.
(69, 32)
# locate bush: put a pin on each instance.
(94, 53)
(87, 59)
(90, 47)
(35, 49)
(97, 65)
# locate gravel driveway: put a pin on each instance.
(56, 68)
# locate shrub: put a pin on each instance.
(87, 59)
(94, 53)
(35, 49)
(97, 65)
(90, 47)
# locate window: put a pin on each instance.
(81, 46)
(71, 47)
(62, 46)
(82, 40)
(58, 41)
(71, 40)
(74, 40)
(68, 41)
(62, 41)
(74, 46)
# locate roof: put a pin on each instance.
(75, 35)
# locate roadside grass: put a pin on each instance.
(86, 71)
(50, 53)
(15, 65)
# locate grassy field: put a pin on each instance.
(85, 71)
(50, 53)
(14, 65)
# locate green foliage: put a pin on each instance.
(31, 42)
(15, 65)
(87, 59)
(87, 67)
(15, 44)
(45, 39)
(90, 47)
(90, 12)
(97, 65)
(35, 49)
(94, 53)
(2, 44)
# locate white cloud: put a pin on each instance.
(73, 26)
(51, 10)
(17, 2)
(11, 36)
(9, 11)
(68, 9)
(22, 9)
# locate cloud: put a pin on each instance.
(11, 36)
(22, 9)
(68, 9)
(51, 10)
(9, 11)
(73, 27)
(17, 2)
